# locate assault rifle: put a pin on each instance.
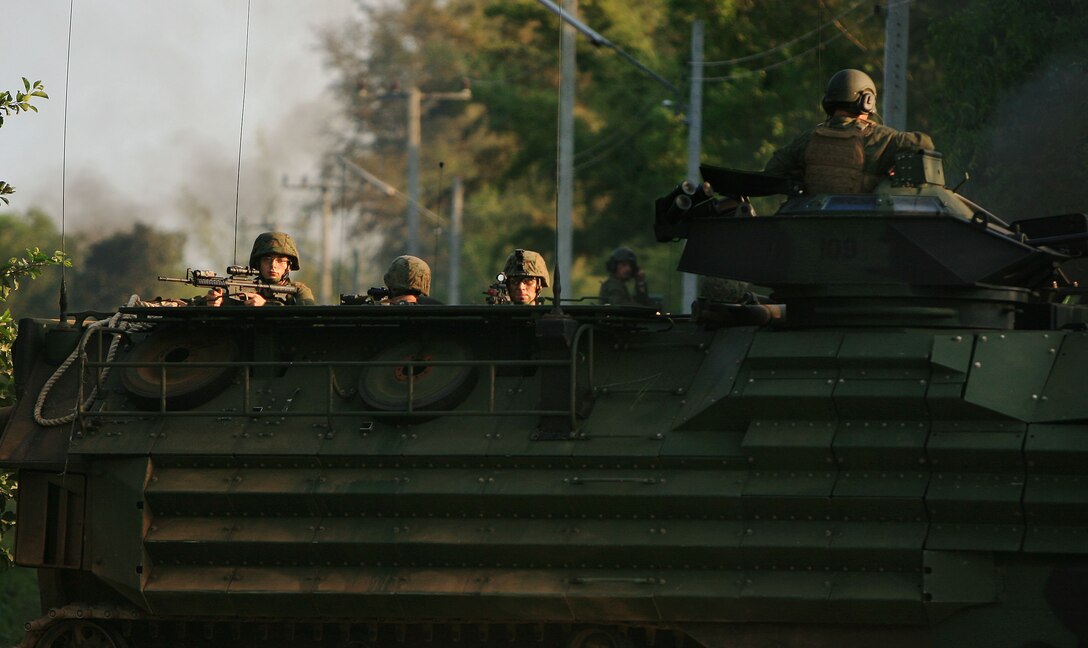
(239, 280)
(373, 296)
(496, 292)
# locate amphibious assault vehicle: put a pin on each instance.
(894, 453)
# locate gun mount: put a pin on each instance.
(912, 254)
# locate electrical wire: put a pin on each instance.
(740, 74)
(619, 131)
(609, 150)
(787, 44)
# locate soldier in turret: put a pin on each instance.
(408, 281)
(849, 152)
(526, 274)
(622, 266)
(274, 255)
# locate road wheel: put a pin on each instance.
(434, 387)
(77, 633)
(598, 638)
(186, 387)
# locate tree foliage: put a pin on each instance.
(10, 105)
(13, 271)
(130, 262)
(33, 229)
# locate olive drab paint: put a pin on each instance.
(889, 451)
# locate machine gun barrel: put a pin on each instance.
(1053, 240)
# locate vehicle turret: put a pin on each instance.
(913, 253)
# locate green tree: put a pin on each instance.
(10, 105)
(12, 272)
(125, 263)
(22, 231)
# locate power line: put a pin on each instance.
(599, 40)
(619, 131)
(602, 154)
(740, 74)
(787, 44)
(389, 189)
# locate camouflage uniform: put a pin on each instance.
(846, 153)
(409, 281)
(614, 289)
(727, 291)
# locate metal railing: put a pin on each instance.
(101, 408)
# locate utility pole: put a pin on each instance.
(895, 63)
(415, 116)
(695, 139)
(390, 190)
(565, 200)
(457, 206)
(324, 292)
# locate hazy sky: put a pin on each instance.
(155, 91)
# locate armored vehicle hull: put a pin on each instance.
(882, 466)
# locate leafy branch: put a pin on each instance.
(10, 105)
(11, 272)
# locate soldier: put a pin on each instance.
(274, 255)
(526, 274)
(622, 265)
(409, 281)
(847, 153)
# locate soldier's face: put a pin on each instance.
(523, 290)
(274, 266)
(623, 269)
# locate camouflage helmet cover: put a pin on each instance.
(408, 274)
(621, 254)
(852, 89)
(274, 243)
(526, 263)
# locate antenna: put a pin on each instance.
(63, 301)
(557, 293)
(241, 125)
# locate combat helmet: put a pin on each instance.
(274, 243)
(850, 89)
(408, 275)
(526, 263)
(621, 254)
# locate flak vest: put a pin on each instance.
(835, 162)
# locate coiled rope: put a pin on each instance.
(121, 323)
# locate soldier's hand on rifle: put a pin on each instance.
(253, 299)
(214, 297)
